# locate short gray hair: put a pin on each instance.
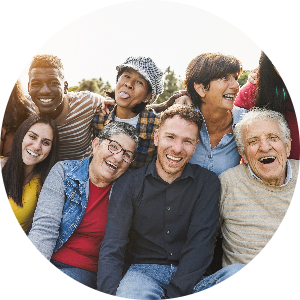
(117, 128)
(260, 114)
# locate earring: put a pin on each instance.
(65, 87)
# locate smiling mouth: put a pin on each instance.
(32, 153)
(45, 100)
(267, 160)
(176, 159)
(111, 165)
(229, 96)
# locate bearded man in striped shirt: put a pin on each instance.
(255, 195)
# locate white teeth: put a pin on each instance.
(45, 100)
(111, 165)
(174, 158)
(32, 153)
(228, 96)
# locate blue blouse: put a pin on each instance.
(225, 155)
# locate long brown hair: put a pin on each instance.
(13, 171)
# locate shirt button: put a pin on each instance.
(222, 146)
(171, 253)
(167, 231)
(168, 208)
(209, 156)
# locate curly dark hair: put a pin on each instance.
(185, 112)
(207, 67)
(13, 171)
(16, 112)
(271, 90)
(47, 61)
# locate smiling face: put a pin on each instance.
(36, 145)
(221, 93)
(131, 89)
(265, 150)
(46, 89)
(105, 166)
(176, 141)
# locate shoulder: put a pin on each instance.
(238, 113)
(203, 173)
(295, 167)
(234, 175)
(149, 113)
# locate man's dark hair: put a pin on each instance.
(45, 61)
(185, 112)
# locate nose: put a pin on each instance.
(234, 84)
(264, 145)
(129, 84)
(45, 89)
(177, 146)
(37, 145)
(118, 156)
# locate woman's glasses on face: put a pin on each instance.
(115, 148)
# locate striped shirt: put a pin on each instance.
(251, 212)
(74, 123)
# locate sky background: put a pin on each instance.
(93, 45)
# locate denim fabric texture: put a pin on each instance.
(225, 155)
(85, 277)
(148, 281)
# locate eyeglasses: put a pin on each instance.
(115, 148)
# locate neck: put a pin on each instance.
(28, 170)
(124, 113)
(58, 110)
(218, 120)
(95, 180)
(167, 177)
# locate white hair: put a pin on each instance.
(260, 114)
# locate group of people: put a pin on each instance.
(128, 196)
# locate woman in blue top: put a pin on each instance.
(211, 81)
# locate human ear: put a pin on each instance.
(156, 137)
(95, 144)
(242, 154)
(199, 88)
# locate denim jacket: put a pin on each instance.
(76, 198)
(61, 206)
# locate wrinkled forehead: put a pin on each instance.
(261, 127)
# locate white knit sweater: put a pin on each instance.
(250, 212)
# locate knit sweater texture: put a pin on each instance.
(250, 212)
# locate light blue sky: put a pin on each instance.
(172, 34)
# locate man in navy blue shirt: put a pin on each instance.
(162, 218)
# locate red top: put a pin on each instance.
(81, 250)
(246, 98)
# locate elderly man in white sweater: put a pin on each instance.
(256, 194)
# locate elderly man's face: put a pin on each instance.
(265, 150)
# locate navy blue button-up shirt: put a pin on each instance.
(164, 224)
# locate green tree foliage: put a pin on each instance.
(243, 77)
(94, 85)
(172, 84)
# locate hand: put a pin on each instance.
(105, 104)
(252, 77)
(184, 100)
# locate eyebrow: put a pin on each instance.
(38, 135)
(185, 138)
(140, 76)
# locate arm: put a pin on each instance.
(197, 252)
(101, 103)
(48, 214)
(112, 248)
